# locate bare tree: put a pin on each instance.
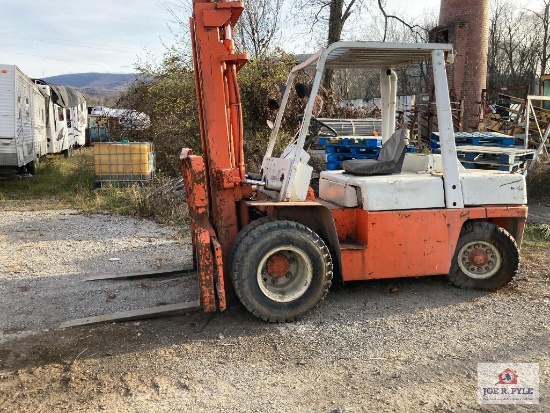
(495, 39)
(330, 15)
(543, 18)
(257, 31)
(339, 13)
(516, 43)
(259, 27)
(420, 34)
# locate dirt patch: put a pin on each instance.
(394, 345)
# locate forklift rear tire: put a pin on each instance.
(281, 269)
(486, 257)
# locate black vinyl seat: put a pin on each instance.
(389, 160)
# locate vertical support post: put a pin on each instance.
(451, 176)
(385, 97)
(392, 102)
(527, 122)
(280, 114)
(461, 116)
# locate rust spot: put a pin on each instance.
(478, 257)
(278, 265)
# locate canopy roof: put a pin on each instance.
(373, 55)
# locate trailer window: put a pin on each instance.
(60, 115)
(68, 115)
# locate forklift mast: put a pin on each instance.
(214, 182)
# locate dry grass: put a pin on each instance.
(69, 183)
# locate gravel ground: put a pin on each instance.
(392, 345)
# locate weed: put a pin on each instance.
(62, 183)
(538, 235)
(538, 182)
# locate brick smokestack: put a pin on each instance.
(465, 24)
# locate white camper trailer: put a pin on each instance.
(19, 146)
(79, 122)
(66, 117)
(39, 122)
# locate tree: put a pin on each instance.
(257, 31)
(330, 15)
(339, 13)
(543, 26)
(327, 16)
(166, 93)
(420, 34)
(337, 18)
(259, 27)
(515, 45)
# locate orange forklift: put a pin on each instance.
(277, 245)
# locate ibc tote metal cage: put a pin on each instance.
(124, 162)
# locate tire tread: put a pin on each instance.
(248, 237)
(509, 251)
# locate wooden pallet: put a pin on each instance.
(485, 157)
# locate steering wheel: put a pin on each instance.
(315, 126)
(332, 133)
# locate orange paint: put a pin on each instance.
(205, 267)
(194, 178)
(404, 243)
(216, 186)
(512, 212)
(218, 274)
(345, 223)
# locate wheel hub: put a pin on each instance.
(285, 273)
(479, 259)
(278, 265)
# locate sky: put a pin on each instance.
(46, 38)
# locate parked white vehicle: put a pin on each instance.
(22, 138)
(36, 119)
(66, 117)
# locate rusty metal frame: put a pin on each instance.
(215, 181)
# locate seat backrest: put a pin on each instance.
(394, 147)
(389, 160)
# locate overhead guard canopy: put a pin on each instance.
(373, 55)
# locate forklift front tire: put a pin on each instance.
(281, 269)
(486, 257)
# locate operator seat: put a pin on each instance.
(389, 160)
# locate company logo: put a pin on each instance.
(511, 383)
(508, 376)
